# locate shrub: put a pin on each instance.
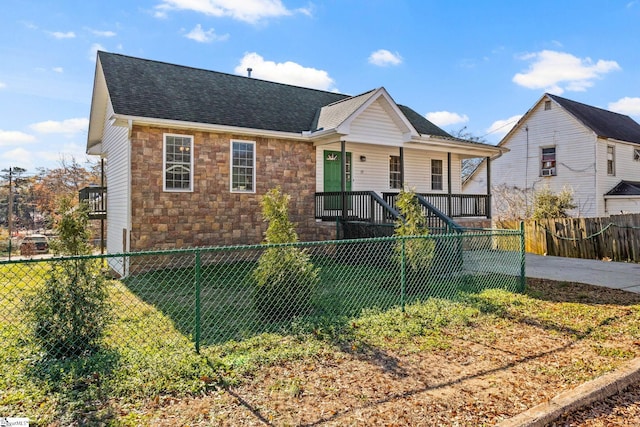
(285, 278)
(418, 252)
(69, 312)
(547, 204)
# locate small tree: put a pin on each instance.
(547, 204)
(418, 253)
(285, 278)
(70, 312)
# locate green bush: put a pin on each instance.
(70, 312)
(418, 253)
(285, 278)
(547, 204)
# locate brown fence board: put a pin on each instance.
(616, 237)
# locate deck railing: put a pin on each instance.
(96, 198)
(354, 206)
(456, 205)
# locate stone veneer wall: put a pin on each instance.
(211, 215)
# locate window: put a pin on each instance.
(243, 166)
(636, 154)
(178, 162)
(611, 160)
(395, 172)
(547, 105)
(548, 162)
(436, 174)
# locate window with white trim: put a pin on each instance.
(243, 166)
(548, 161)
(436, 174)
(636, 154)
(611, 160)
(178, 162)
(395, 173)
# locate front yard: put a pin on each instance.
(473, 358)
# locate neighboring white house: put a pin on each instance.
(561, 143)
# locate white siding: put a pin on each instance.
(620, 205)
(625, 169)
(116, 149)
(374, 125)
(373, 173)
(575, 158)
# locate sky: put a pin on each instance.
(472, 65)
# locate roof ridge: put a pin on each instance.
(556, 97)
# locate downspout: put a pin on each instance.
(449, 203)
(127, 242)
(402, 167)
(343, 178)
(488, 206)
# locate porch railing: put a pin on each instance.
(354, 206)
(96, 198)
(456, 205)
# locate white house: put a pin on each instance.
(561, 143)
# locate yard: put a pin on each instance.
(470, 357)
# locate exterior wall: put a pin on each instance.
(115, 148)
(373, 173)
(374, 125)
(626, 168)
(575, 159)
(622, 205)
(211, 215)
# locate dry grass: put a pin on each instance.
(512, 353)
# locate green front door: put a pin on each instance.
(332, 177)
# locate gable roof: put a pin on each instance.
(604, 123)
(151, 89)
(625, 188)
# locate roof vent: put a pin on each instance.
(249, 70)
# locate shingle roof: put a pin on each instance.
(604, 123)
(152, 89)
(625, 188)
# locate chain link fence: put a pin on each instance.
(208, 296)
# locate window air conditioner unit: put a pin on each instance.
(547, 172)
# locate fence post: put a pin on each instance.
(403, 278)
(522, 258)
(198, 276)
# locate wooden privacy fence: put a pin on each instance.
(616, 237)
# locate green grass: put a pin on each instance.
(148, 350)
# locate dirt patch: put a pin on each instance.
(485, 374)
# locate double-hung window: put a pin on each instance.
(395, 173)
(436, 174)
(611, 160)
(178, 162)
(548, 161)
(243, 166)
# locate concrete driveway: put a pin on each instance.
(618, 275)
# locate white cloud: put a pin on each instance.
(61, 35)
(2, 85)
(383, 58)
(58, 69)
(19, 157)
(251, 11)
(501, 127)
(445, 118)
(199, 35)
(13, 137)
(67, 127)
(626, 105)
(284, 72)
(556, 72)
(93, 51)
(103, 33)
